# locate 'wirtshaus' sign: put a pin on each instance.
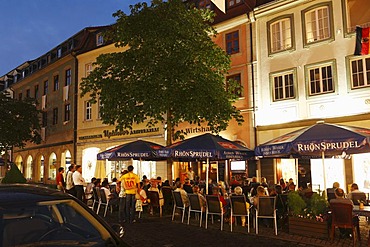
(110, 133)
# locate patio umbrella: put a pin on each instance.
(319, 140)
(207, 147)
(137, 150)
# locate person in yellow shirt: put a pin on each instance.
(130, 183)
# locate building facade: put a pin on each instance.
(306, 72)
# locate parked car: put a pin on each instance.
(32, 215)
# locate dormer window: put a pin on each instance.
(59, 52)
(99, 39)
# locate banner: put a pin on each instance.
(362, 41)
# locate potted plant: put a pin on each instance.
(308, 216)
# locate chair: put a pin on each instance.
(167, 196)
(178, 204)
(96, 196)
(195, 206)
(266, 210)
(104, 202)
(342, 217)
(238, 208)
(153, 196)
(330, 193)
(357, 197)
(214, 207)
(282, 210)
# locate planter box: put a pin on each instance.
(308, 228)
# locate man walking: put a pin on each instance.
(60, 179)
(79, 182)
(130, 183)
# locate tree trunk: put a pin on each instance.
(169, 135)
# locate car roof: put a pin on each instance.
(20, 194)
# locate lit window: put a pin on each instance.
(317, 24)
(283, 85)
(360, 72)
(280, 35)
(88, 110)
(232, 42)
(320, 79)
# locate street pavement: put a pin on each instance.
(155, 231)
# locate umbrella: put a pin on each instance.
(207, 147)
(137, 150)
(312, 141)
(319, 140)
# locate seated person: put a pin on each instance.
(339, 194)
(111, 198)
(184, 195)
(239, 191)
(187, 186)
(260, 192)
(356, 195)
(202, 199)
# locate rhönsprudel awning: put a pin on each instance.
(312, 141)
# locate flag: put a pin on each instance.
(220, 4)
(362, 41)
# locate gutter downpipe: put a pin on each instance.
(75, 95)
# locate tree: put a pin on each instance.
(171, 72)
(19, 122)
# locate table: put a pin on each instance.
(361, 212)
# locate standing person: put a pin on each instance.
(79, 182)
(60, 179)
(190, 174)
(70, 188)
(122, 199)
(130, 183)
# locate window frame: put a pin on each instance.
(44, 122)
(320, 66)
(269, 36)
(233, 76)
(315, 7)
(99, 39)
(36, 92)
(366, 74)
(67, 112)
(231, 41)
(56, 82)
(68, 77)
(55, 115)
(88, 111)
(282, 73)
(46, 87)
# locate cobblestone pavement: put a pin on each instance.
(155, 231)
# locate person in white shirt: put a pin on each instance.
(70, 189)
(79, 183)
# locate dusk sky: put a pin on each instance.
(30, 28)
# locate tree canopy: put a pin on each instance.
(19, 122)
(171, 71)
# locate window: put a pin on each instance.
(283, 85)
(20, 96)
(100, 107)
(232, 3)
(36, 91)
(88, 110)
(237, 88)
(44, 119)
(67, 112)
(317, 24)
(204, 4)
(59, 52)
(46, 87)
(56, 82)
(55, 116)
(99, 39)
(355, 14)
(28, 93)
(280, 35)
(360, 72)
(232, 42)
(68, 77)
(320, 78)
(88, 69)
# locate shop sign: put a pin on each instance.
(90, 137)
(193, 154)
(195, 130)
(110, 133)
(324, 146)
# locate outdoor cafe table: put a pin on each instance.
(363, 212)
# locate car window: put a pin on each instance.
(30, 225)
